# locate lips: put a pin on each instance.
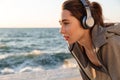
(66, 37)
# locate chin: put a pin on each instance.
(70, 42)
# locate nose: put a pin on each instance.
(62, 29)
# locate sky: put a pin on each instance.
(45, 13)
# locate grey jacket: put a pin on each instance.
(107, 45)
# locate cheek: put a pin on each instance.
(76, 33)
(71, 31)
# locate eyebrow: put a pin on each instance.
(63, 20)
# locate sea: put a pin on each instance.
(33, 49)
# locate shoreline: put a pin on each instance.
(58, 74)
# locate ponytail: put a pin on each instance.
(96, 10)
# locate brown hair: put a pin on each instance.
(78, 10)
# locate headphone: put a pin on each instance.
(87, 21)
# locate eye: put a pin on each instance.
(65, 23)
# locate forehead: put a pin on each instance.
(65, 14)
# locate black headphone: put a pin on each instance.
(88, 21)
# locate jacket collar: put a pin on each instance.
(98, 36)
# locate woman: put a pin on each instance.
(94, 44)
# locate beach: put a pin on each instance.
(58, 74)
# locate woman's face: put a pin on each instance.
(71, 28)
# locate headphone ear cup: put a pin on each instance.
(84, 23)
(88, 22)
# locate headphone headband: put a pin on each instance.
(84, 3)
(88, 20)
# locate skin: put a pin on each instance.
(72, 31)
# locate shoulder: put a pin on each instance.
(111, 50)
(113, 34)
(114, 29)
(112, 46)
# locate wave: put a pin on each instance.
(3, 46)
(33, 59)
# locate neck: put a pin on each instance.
(86, 41)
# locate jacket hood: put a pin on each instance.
(114, 29)
(100, 34)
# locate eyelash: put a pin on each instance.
(65, 23)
